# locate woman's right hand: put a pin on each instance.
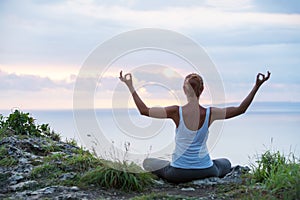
(261, 78)
(127, 79)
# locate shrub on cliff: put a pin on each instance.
(21, 123)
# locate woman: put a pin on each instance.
(191, 160)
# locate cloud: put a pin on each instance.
(14, 82)
(242, 37)
(64, 32)
(176, 17)
(34, 92)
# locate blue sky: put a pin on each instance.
(44, 43)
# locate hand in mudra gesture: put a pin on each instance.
(261, 78)
(127, 78)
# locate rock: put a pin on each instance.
(74, 189)
(54, 192)
(46, 190)
(188, 189)
(159, 182)
(8, 140)
(25, 168)
(36, 162)
(23, 185)
(23, 161)
(67, 176)
(232, 177)
(15, 182)
(4, 181)
(15, 178)
(237, 171)
(208, 181)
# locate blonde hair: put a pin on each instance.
(193, 84)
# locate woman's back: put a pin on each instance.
(190, 149)
(193, 116)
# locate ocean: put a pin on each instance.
(125, 135)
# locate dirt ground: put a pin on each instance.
(176, 191)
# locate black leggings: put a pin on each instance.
(163, 169)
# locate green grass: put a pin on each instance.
(54, 165)
(3, 151)
(275, 177)
(5, 159)
(46, 171)
(118, 177)
(8, 162)
(83, 163)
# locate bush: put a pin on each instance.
(23, 124)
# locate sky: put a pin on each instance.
(43, 45)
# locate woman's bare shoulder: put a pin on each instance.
(172, 109)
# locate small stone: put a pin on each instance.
(234, 176)
(23, 161)
(188, 189)
(74, 189)
(36, 162)
(16, 178)
(67, 176)
(159, 182)
(23, 185)
(57, 153)
(46, 190)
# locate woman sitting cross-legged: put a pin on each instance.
(191, 160)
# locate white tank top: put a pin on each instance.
(191, 150)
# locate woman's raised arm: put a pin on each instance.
(155, 112)
(229, 112)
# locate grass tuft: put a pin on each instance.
(117, 177)
(278, 174)
(5, 159)
(8, 162)
(45, 171)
